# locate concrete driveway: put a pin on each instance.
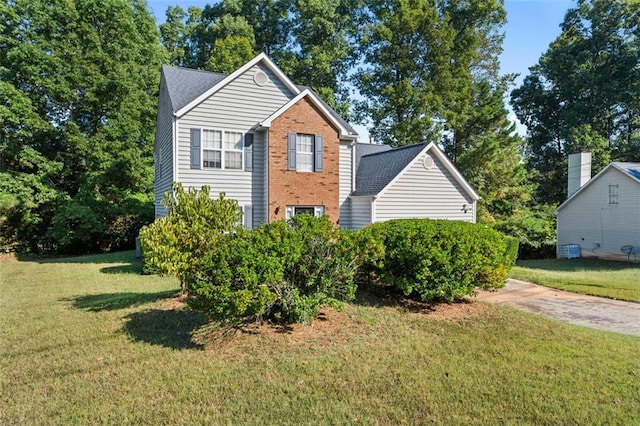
(588, 311)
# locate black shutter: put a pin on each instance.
(195, 149)
(248, 152)
(319, 153)
(292, 150)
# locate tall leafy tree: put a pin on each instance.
(431, 73)
(421, 58)
(82, 74)
(312, 40)
(584, 93)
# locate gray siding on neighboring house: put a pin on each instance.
(238, 106)
(589, 220)
(345, 170)
(360, 212)
(422, 193)
(163, 161)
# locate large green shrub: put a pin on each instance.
(439, 259)
(283, 271)
(178, 243)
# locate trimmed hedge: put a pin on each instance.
(439, 259)
(283, 271)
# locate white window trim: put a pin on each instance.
(312, 154)
(613, 198)
(222, 149)
(318, 210)
(245, 220)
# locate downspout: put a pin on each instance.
(266, 175)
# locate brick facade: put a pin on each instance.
(293, 188)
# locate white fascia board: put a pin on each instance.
(444, 160)
(344, 133)
(454, 171)
(260, 58)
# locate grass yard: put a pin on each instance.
(615, 280)
(89, 340)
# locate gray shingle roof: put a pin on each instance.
(376, 170)
(363, 149)
(632, 169)
(186, 84)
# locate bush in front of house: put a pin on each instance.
(283, 271)
(439, 259)
(176, 244)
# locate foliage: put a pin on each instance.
(439, 259)
(283, 271)
(511, 250)
(535, 228)
(583, 94)
(80, 79)
(177, 244)
(420, 59)
(310, 40)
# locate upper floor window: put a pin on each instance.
(233, 150)
(614, 194)
(305, 152)
(221, 149)
(212, 149)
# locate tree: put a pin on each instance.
(82, 74)
(421, 58)
(311, 40)
(584, 93)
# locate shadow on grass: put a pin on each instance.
(128, 256)
(172, 328)
(114, 301)
(131, 268)
(381, 298)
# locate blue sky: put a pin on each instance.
(532, 25)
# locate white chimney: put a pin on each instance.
(579, 171)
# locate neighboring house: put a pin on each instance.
(279, 150)
(601, 215)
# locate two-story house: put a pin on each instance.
(601, 216)
(279, 150)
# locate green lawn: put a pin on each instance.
(615, 280)
(89, 340)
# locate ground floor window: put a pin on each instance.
(246, 218)
(316, 211)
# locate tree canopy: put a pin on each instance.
(77, 131)
(584, 93)
(80, 79)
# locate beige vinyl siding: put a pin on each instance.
(345, 171)
(163, 164)
(360, 212)
(238, 106)
(422, 193)
(588, 220)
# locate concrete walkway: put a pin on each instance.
(588, 311)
